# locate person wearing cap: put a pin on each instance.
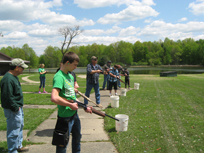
(92, 79)
(106, 68)
(12, 103)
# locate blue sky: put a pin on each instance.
(36, 22)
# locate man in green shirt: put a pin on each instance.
(12, 103)
(63, 95)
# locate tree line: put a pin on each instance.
(167, 52)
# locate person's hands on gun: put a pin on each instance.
(89, 109)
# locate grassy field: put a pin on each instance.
(165, 115)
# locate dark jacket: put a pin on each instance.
(11, 92)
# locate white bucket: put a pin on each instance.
(123, 92)
(136, 86)
(114, 101)
(122, 124)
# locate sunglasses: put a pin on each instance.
(21, 67)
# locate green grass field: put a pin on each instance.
(165, 115)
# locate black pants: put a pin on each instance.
(127, 81)
(111, 84)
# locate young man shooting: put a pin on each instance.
(63, 95)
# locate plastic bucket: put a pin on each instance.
(114, 101)
(122, 124)
(123, 92)
(136, 86)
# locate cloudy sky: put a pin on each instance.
(36, 22)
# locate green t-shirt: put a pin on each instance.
(41, 70)
(65, 82)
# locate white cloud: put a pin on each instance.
(133, 12)
(183, 19)
(160, 29)
(97, 32)
(43, 32)
(24, 10)
(197, 7)
(128, 31)
(148, 21)
(148, 2)
(11, 25)
(87, 4)
(29, 10)
(16, 35)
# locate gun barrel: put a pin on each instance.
(112, 117)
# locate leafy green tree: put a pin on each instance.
(139, 53)
(30, 55)
(125, 50)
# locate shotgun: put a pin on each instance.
(99, 105)
(95, 111)
(121, 80)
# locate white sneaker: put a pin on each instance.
(110, 94)
(116, 94)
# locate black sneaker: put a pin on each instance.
(23, 149)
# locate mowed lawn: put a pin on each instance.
(166, 115)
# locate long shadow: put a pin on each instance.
(45, 133)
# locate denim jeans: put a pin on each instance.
(15, 123)
(74, 128)
(119, 84)
(42, 82)
(106, 80)
(89, 86)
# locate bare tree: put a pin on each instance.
(1, 35)
(69, 33)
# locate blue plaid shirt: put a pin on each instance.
(114, 72)
(92, 78)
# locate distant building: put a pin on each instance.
(4, 63)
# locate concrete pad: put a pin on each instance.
(53, 115)
(44, 132)
(3, 135)
(92, 130)
(91, 147)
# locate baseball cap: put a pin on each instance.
(94, 57)
(18, 62)
(109, 61)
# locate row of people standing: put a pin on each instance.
(121, 72)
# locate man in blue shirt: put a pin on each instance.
(92, 78)
(114, 75)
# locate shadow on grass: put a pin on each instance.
(111, 130)
(2, 150)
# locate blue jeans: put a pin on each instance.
(89, 86)
(74, 128)
(106, 80)
(15, 123)
(42, 82)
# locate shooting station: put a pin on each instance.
(168, 74)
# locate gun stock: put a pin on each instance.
(95, 111)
